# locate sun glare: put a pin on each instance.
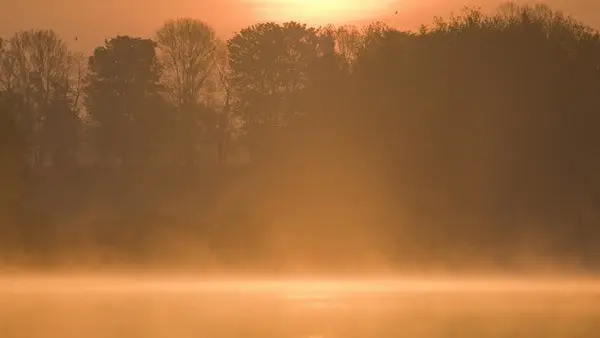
(319, 11)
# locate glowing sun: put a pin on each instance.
(319, 11)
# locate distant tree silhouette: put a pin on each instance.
(38, 67)
(12, 174)
(190, 52)
(226, 119)
(123, 96)
(349, 42)
(270, 65)
(475, 112)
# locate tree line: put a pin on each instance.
(472, 141)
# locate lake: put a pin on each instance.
(85, 307)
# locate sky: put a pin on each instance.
(93, 21)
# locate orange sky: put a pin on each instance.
(92, 21)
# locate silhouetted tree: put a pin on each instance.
(226, 120)
(190, 51)
(123, 90)
(39, 68)
(270, 65)
(471, 115)
(12, 171)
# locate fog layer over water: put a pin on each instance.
(330, 288)
(113, 306)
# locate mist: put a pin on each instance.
(306, 181)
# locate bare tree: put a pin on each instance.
(42, 62)
(7, 67)
(76, 78)
(189, 51)
(38, 67)
(348, 40)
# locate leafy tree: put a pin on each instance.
(123, 90)
(270, 66)
(470, 116)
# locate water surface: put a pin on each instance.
(186, 307)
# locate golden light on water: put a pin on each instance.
(291, 288)
(63, 306)
(319, 11)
